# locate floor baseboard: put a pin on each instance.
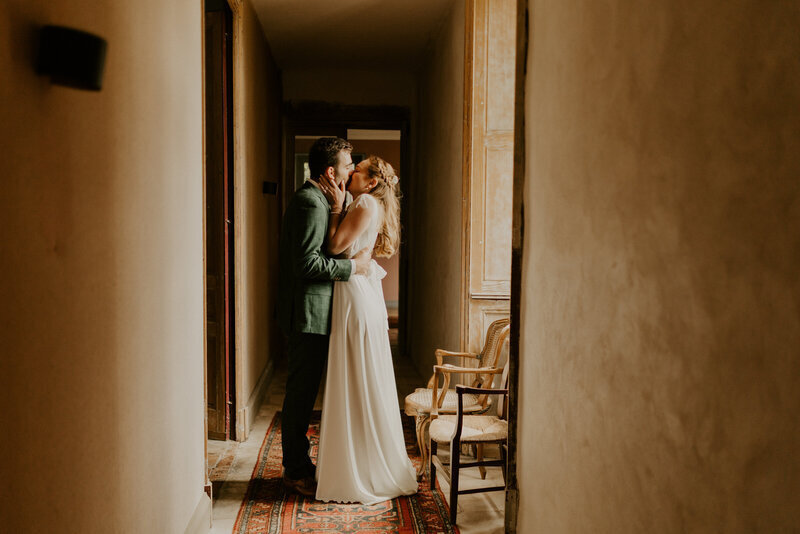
(200, 523)
(257, 397)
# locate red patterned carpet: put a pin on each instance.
(269, 509)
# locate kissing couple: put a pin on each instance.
(331, 306)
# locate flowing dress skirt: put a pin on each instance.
(362, 454)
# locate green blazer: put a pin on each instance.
(306, 274)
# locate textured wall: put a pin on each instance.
(661, 302)
(259, 117)
(101, 262)
(434, 277)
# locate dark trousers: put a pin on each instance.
(307, 356)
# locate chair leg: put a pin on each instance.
(479, 458)
(422, 443)
(504, 457)
(455, 463)
(432, 466)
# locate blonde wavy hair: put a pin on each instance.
(388, 193)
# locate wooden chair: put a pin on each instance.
(461, 429)
(418, 404)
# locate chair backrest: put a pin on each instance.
(502, 408)
(496, 336)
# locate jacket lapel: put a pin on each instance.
(315, 191)
(348, 198)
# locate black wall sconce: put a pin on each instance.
(269, 188)
(71, 57)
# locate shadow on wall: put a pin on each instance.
(102, 275)
(59, 319)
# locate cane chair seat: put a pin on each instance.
(477, 428)
(420, 402)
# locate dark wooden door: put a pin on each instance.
(219, 223)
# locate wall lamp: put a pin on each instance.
(71, 57)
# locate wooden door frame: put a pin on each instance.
(484, 296)
(304, 116)
(518, 227)
(241, 428)
(207, 481)
(238, 430)
(466, 173)
(517, 243)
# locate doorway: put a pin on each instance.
(386, 144)
(380, 130)
(219, 220)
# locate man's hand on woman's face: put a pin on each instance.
(333, 192)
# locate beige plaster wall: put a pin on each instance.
(434, 278)
(661, 302)
(101, 262)
(259, 117)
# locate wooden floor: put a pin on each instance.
(232, 464)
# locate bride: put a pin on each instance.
(362, 454)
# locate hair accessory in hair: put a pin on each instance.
(392, 180)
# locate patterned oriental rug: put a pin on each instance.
(269, 509)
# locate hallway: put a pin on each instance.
(478, 514)
(633, 200)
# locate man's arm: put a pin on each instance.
(307, 260)
(343, 230)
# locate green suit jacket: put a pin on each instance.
(306, 274)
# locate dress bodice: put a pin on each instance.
(370, 234)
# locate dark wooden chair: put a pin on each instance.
(463, 428)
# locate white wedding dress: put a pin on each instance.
(362, 453)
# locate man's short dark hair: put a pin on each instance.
(324, 153)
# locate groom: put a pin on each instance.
(305, 294)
